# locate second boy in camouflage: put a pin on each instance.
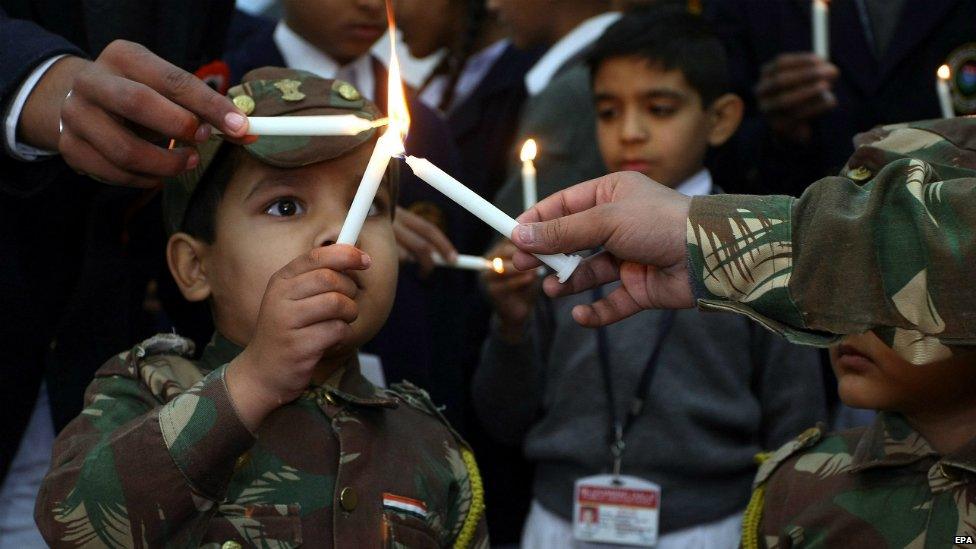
(881, 486)
(887, 245)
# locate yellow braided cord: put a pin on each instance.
(477, 509)
(752, 517)
(753, 514)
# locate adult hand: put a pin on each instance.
(641, 226)
(307, 309)
(114, 103)
(793, 89)
(512, 294)
(418, 239)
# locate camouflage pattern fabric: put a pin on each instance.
(880, 486)
(159, 458)
(887, 246)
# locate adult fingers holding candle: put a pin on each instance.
(639, 223)
(94, 113)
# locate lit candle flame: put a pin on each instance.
(529, 150)
(943, 72)
(396, 99)
(498, 265)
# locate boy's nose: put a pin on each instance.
(327, 237)
(633, 130)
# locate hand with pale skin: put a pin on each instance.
(306, 311)
(512, 294)
(417, 239)
(121, 112)
(794, 89)
(641, 226)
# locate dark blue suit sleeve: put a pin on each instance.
(25, 45)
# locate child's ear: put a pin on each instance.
(726, 115)
(185, 255)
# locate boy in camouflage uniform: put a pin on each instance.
(273, 438)
(908, 480)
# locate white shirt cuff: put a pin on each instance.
(22, 151)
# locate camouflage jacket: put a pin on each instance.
(159, 458)
(886, 246)
(880, 486)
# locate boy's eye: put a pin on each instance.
(376, 208)
(662, 110)
(284, 207)
(606, 113)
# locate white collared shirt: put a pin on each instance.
(302, 55)
(475, 70)
(699, 184)
(568, 46)
(18, 150)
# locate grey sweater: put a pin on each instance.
(725, 389)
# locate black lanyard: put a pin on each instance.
(619, 426)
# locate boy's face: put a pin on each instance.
(269, 216)
(649, 120)
(343, 29)
(871, 375)
(526, 21)
(429, 25)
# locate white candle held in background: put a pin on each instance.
(530, 193)
(563, 264)
(821, 40)
(466, 262)
(945, 94)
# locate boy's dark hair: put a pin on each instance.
(200, 219)
(669, 36)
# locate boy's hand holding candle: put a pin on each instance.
(512, 294)
(794, 89)
(306, 310)
(418, 240)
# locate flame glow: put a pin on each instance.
(529, 150)
(943, 72)
(396, 99)
(498, 265)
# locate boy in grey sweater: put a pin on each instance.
(708, 391)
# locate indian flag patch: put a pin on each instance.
(413, 507)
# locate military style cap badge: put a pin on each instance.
(346, 90)
(962, 63)
(289, 89)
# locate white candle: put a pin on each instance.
(467, 262)
(945, 95)
(343, 124)
(563, 264)
(530, 194)
(386, 146)
(820, 35)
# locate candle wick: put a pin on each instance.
(379, 122)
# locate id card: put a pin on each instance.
(625, 512)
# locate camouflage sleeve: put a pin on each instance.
(130, 471)
(890, 247)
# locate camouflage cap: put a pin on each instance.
(275, 91)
